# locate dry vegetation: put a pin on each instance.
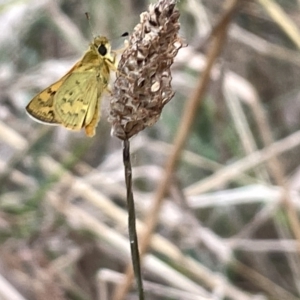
(220, 168)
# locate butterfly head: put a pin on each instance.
(103, 48)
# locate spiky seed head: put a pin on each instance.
(143, 84)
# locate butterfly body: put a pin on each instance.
(73, 101)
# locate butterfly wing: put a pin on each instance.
(75, 101)
(40, 108)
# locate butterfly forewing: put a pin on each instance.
(40, 107)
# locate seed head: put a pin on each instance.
(143, 84)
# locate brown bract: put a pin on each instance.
(143, 84)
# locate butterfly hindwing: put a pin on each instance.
(76, 100)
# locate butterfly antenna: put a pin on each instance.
(125, 34)
(90, 24)
(120, 36)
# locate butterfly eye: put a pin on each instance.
(102, 50)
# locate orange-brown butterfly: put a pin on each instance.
(74, 100)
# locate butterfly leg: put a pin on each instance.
(108, 90)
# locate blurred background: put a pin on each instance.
(228, 228)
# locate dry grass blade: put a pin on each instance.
(8, 292)
(105, 276)
(280, 17)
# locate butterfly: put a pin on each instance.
(73, 101)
